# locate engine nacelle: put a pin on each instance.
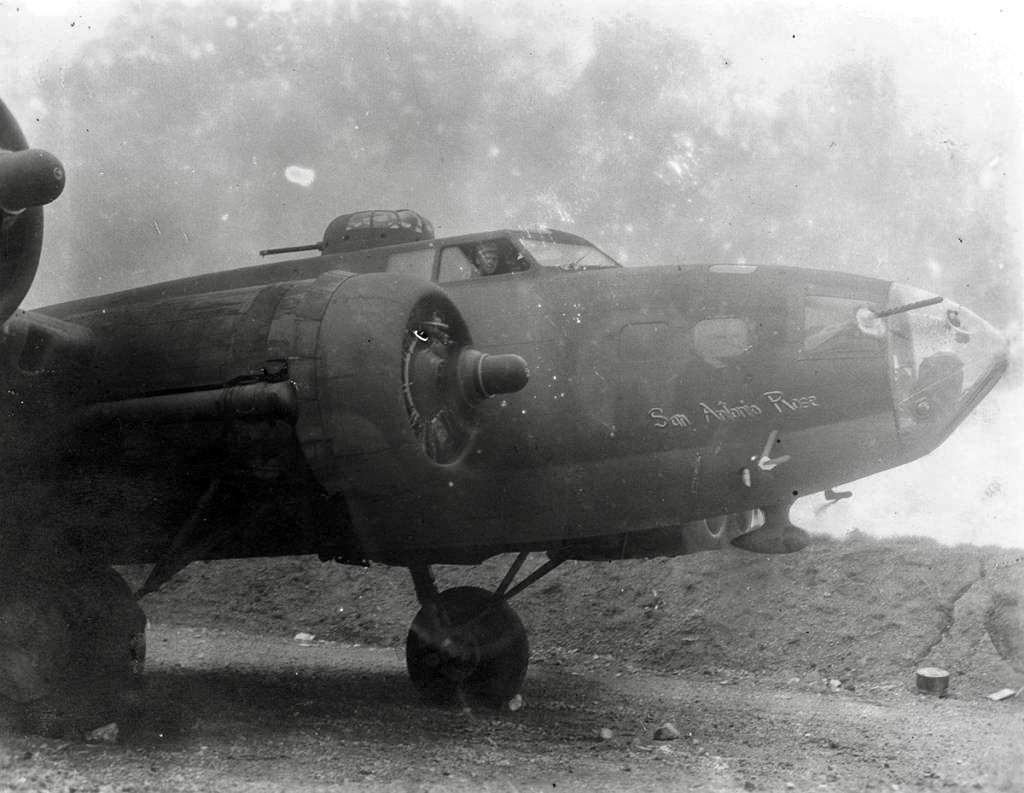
(365, 389)
(396, 379)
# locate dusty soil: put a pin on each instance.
(792, 672)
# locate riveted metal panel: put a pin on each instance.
(193, 341)
(294, 336)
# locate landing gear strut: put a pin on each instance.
(467, 645)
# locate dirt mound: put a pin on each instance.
(862, 611)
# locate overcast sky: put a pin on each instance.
(958, 66)
(954, 56)
(960, 63)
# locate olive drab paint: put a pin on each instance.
(393, 397)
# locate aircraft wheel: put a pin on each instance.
(35, 649)
(725, 528)
(480, 654)
(72, 647)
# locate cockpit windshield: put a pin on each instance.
(566, 255)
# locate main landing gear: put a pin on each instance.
(72, 641)
(467, 645)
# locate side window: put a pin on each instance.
(455, 265)
(419, 263)
(840, 327)
(720, 339)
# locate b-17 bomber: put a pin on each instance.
(384, 396)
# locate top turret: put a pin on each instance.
(368, 228)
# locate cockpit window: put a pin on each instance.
(479, 259)
(455, 265)
(565, 255)
(841, 327)
(418, 262)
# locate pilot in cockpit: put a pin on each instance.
(495, 257)
(487, 259)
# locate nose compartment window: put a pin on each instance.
(721, 339)
(941, 353)
(841, 327)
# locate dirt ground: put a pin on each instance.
(779, 673)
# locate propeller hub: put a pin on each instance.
(29, 178)
(482, 375)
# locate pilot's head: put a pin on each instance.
(487, 259)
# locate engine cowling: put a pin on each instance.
(29, 178)
(388, 379)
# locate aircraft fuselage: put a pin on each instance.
(652, 395)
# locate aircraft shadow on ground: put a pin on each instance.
(184, 705)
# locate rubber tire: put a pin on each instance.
(491, 643)
(723, 529)
(83, 634)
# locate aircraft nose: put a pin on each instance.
(944, 359)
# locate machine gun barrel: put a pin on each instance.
(313, 246)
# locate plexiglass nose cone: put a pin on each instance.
(944, 358)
